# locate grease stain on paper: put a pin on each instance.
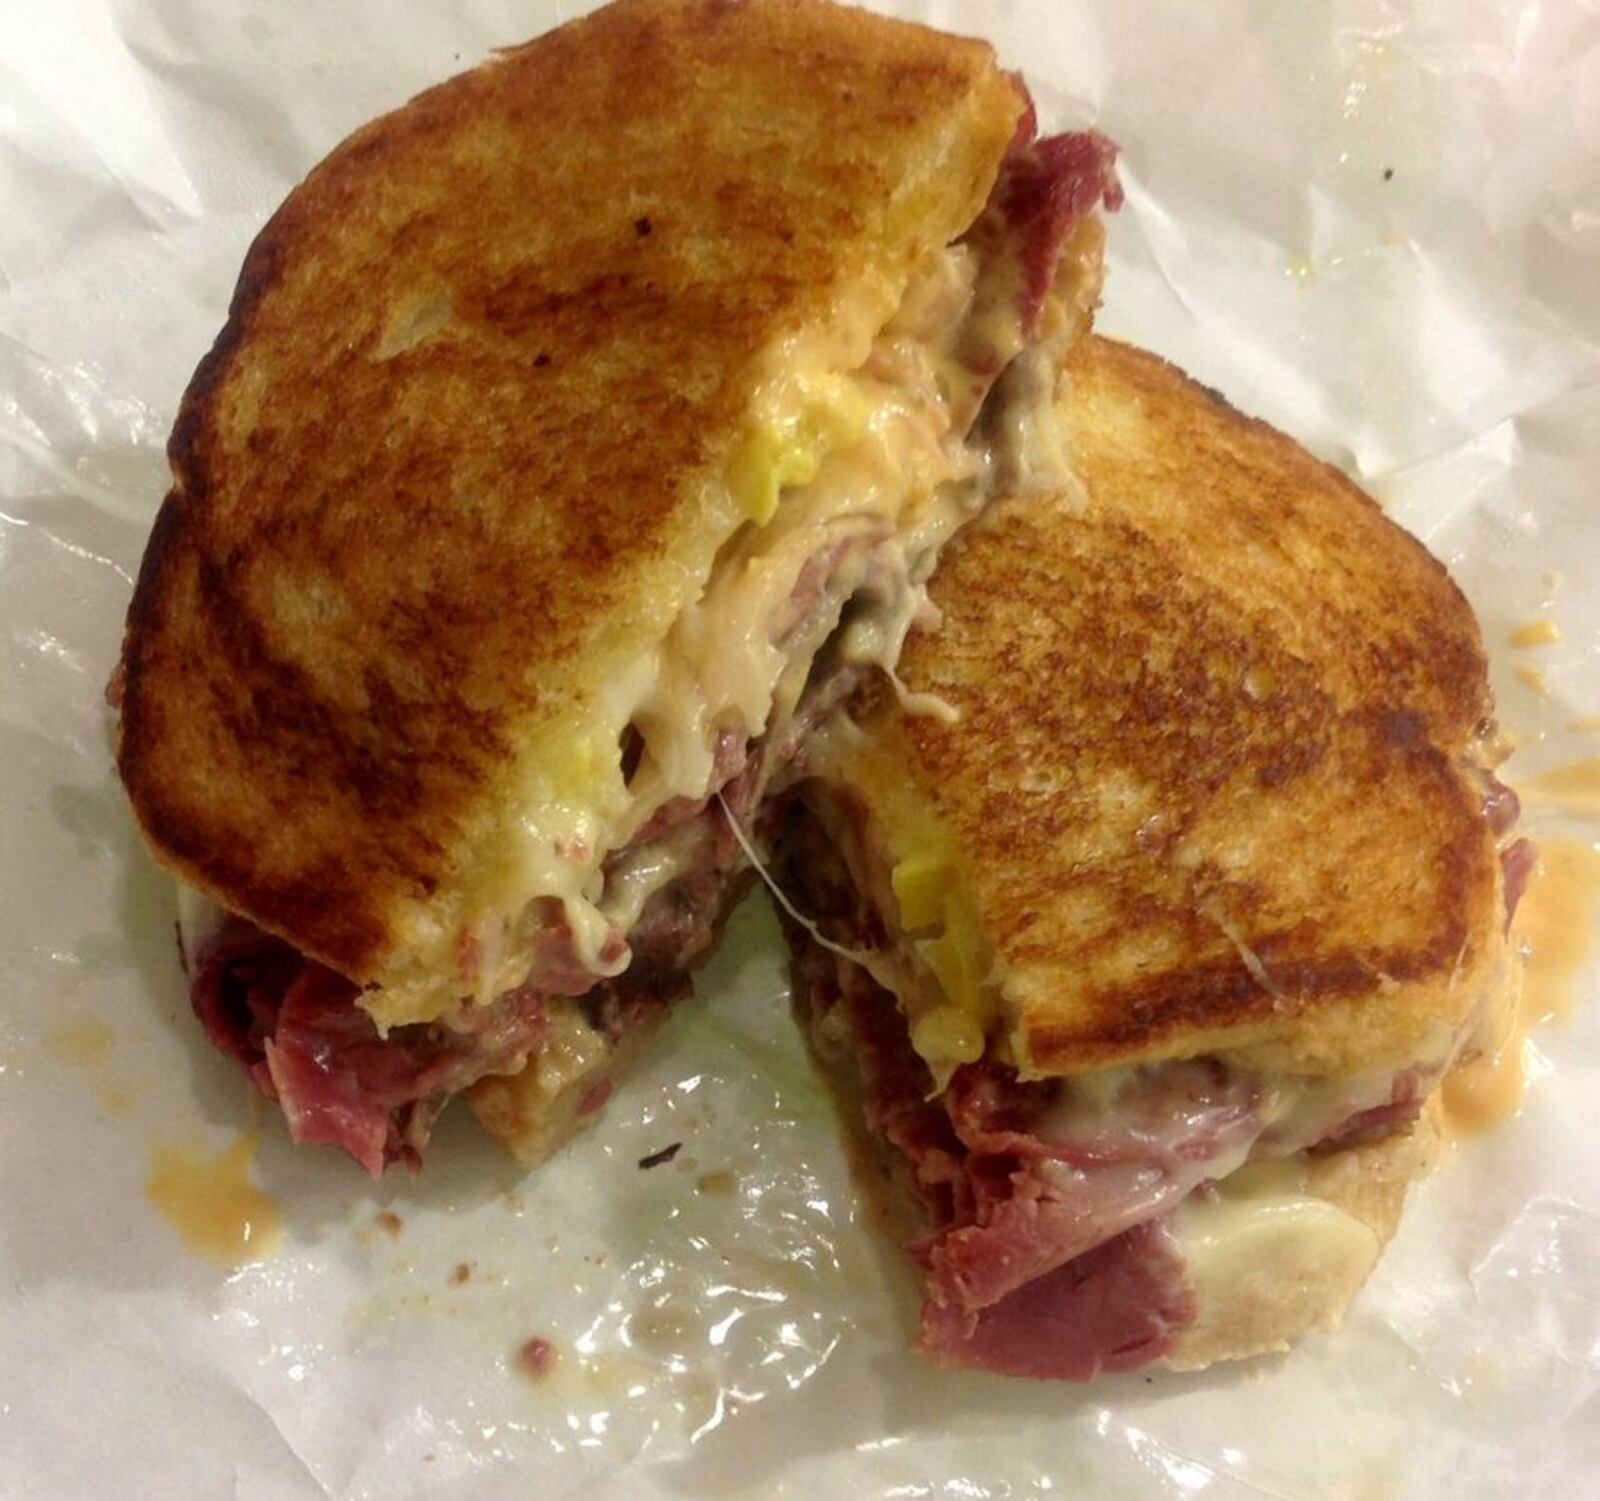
(1541, 632)
(83, 1040)
(210, 1199)
(116, 1096)
(1383, 114)
(1533, 677)
(86, 1042)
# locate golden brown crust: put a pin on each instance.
(457, 450)
(1209, 781)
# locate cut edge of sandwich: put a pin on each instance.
(1277, 1251)
(1270, 1249)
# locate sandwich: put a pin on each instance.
(558, 420)
(1139, 933)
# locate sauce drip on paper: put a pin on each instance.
(1555, 931)
(1556, 927)
(1480, 1095)
(210, 1200)
(1573, 788)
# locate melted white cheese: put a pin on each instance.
(199, 920)
(639, 873)
(865, 457)
(1260, 1236)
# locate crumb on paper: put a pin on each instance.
(666, 1154)
(595, 1096)
(1533, 677)
(537, 1358)
(1587, 724)
(1541, 632)
(389, 1222)
(462, 1273)
(720, 1182)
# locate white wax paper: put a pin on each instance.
(1376, 225)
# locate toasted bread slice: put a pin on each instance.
(1213, 786)
(474, 431)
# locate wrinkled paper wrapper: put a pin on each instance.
(1375, 225)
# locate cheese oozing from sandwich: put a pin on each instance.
(832, 456)
(862, 459)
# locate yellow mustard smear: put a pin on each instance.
(210, 1199)
(86, 1042)
(787, 447)
(937, 910)
(954, 1033)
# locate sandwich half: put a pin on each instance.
(557, 419)
(1143, 925)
